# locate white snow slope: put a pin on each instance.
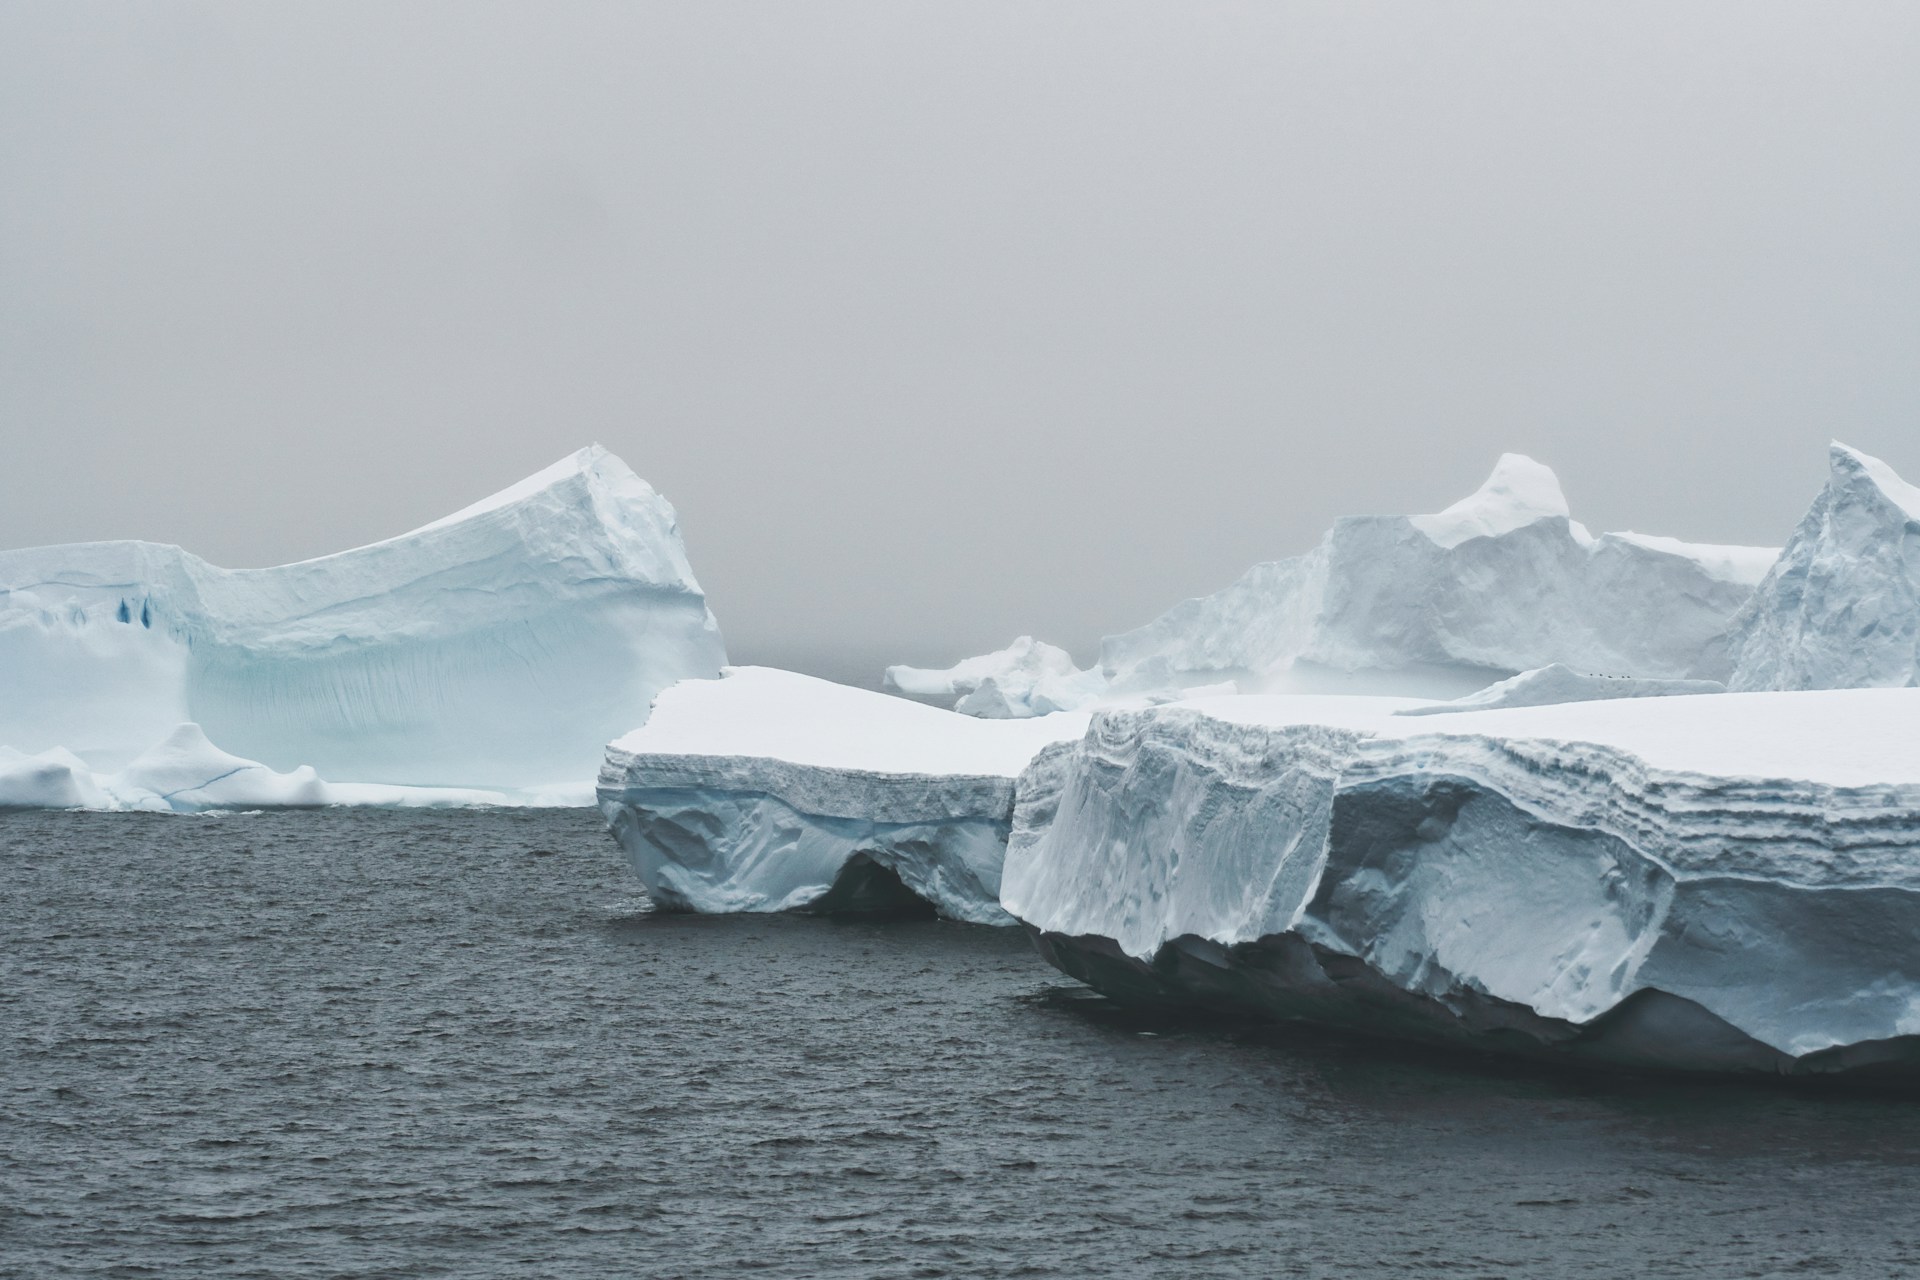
(1027, 678)
(1725, 882)
(1437, 606)
(771, 791)
(1546, 686)
(499, 647)
(1841, 609)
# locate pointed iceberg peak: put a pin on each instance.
(1519, 492)
(1849, 467)
(593, 463)
(1840, 609)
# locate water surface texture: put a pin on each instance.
(415, 1044)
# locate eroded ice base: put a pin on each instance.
(1726, 882)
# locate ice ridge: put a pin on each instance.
(1438, 606)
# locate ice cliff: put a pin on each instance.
(771, 791)
(1841, 608)
(501, 646)
(1723, 883)
(1501, 582)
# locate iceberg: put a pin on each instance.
(1723, 883)
(1841, 608)
(497, 648)
(1027, 678)
(187, 773)
(53, 779)
(767, 790)
(1439, 606)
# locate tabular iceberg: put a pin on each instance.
(1027, 678)
(1438, 606)
(771, 791)
(1722, 883)
(498, 647)
(1841, 609)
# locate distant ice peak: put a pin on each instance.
(1848, 464)
(1519, 492)
(593, 462)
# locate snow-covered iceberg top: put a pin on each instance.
(1841, 607)
(771, 791)
(1547, 686)
(1027, 678)
(1720, 882)
(1519, 492)
(1438, 606)
(499, 647)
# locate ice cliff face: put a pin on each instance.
(1841, 609)
(1437, 606)
(1722, 883)
(771, 791)
(1027, 678)
(500, 646)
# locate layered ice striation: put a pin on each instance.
(772, 791)
(1027, 678)
(499, 647)
(1841, 608)
(1438, 606)
(1728, 882)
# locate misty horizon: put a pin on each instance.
(944, 325)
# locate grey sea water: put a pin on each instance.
(461, 1044)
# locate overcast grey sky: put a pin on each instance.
(944, 322)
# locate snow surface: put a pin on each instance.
(1438, 606)
(1027, 678)
(1519, 492)
(1720, 882)
(1841, 608)
(758, 792)
(1545, 686)
(498, 648)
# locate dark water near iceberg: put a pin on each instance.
(380, 1044)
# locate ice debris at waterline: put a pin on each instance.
(1727, 882)
(1027, 678)
(1438, 606)
(500, 647)
(1841, 608)
(186, 773)
(771, 791)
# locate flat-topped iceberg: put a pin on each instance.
(771, 791)
(1726, 882)
(499, 647)
(1438, 606)
(1841, 608)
